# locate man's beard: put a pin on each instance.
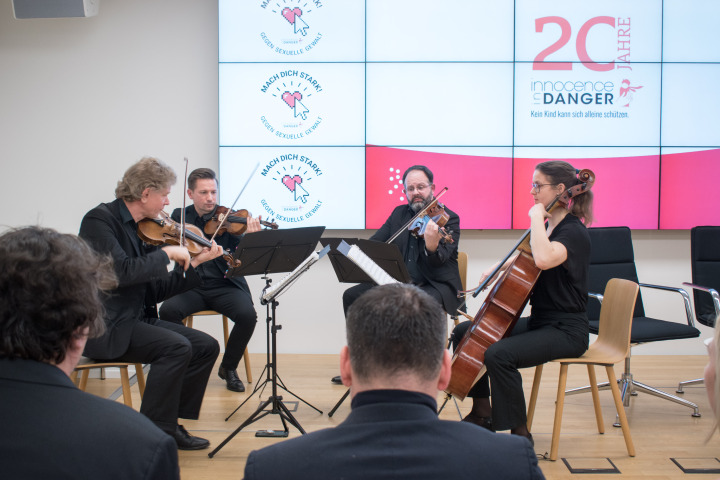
(417, 204)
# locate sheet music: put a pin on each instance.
(275, 290)
(373, 270)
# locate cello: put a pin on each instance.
(504, 304)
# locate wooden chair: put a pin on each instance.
(86, 364)
(612, 256)
(462, 267)
(611, 346)
(188, 322)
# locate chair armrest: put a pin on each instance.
(598, 296)
(683, 293)
(713, 293)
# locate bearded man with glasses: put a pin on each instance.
(430, 260)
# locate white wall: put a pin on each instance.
(82, 99)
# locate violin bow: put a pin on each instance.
(419, 214)
(220, 224)
(182, 212)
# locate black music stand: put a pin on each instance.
(386, 255)
(262, 253)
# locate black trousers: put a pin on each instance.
(534, 340)
(353, 293)
(181, 360)
(227, 300)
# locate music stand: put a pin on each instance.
(386, 255)
(262, 253)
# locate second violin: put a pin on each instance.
(235, 223)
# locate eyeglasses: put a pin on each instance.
(538, 186)
(419, 188)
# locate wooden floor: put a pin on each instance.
(661, 430)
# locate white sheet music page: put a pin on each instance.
(359, 258)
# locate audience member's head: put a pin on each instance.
(396, 338)
(712, 384)
(50, 290)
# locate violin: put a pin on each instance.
(504, 304)
(235, 222)
(435, 212)
(166, 231)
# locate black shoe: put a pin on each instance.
(231, 377)
(337, 380)
(185, 441)
(484, 422)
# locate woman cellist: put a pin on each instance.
(558, 324)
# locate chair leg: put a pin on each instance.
(248, 371)
(630, 387)
(559, 404)
(83, 379)
(140, 377)
(660, 394)
(125, 381)
(620, 410)
(533, 396)
(686, 383)
(226, 335)
(596, 398)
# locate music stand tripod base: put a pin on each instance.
(271, 433)
(272, 251)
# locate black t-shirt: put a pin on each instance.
(565, 288)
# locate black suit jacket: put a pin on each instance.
(440, 269)
(142, 273)
(53, 430)
(396, 440)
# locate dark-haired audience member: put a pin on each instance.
(395, 362)
(50, 304)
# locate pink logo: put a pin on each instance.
(627, 93)
(293, 101)
(291, 97)
(290, 14)
(291, 182)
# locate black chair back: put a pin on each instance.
(705, 263)
(611, 256)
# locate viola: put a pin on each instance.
(504, 304)
(166, 231)
(235, 222)
(419, 222)
(438, 215)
